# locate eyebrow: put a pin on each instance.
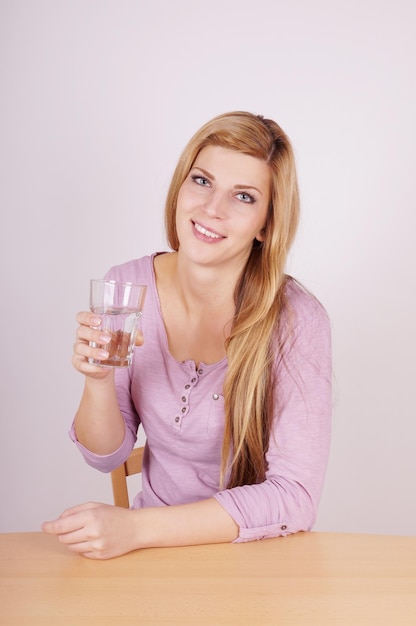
(208, 175)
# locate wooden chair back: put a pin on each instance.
(133, 465)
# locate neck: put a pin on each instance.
(204, 286)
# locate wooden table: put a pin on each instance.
(307, 578)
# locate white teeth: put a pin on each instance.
(206, 232)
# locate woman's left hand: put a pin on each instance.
(97, 531)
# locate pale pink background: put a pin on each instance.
(97, 100)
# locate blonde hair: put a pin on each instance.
(259, 294)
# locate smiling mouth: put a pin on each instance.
(206, 232)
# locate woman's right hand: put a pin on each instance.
(87, 333)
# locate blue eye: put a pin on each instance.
(200, 180)
(245, 197)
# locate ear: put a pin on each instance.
(261, 235)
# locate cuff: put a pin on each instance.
(104, 462)
(263, 532)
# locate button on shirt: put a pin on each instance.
(181, 409)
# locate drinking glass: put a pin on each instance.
(119, 305)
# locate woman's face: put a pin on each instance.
(222, 206)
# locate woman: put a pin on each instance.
(232, 380)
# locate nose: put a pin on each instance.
(215, 206)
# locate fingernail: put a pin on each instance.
(105, 338)
(104, 354)
(95, 321)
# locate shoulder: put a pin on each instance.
(300, 306)
(303, 338)
(134, 271)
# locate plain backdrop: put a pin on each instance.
(98, 98)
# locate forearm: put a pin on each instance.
(184, 525)
(102, 531)
(99, 425)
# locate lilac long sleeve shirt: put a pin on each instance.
(181, 409)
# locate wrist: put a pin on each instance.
(143, 535)
(103, 381)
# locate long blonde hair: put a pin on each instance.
(259, 294)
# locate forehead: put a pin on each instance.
(233, 167)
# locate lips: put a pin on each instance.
(206, 232)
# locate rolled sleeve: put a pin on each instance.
(105, 462)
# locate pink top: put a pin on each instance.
(182, 412)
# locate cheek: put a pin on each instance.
(182, 202)
(182, 210)
(263, 219)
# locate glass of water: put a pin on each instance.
(119, 305)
